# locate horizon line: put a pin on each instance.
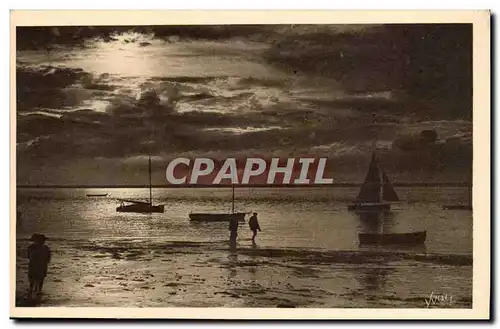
(347, 184)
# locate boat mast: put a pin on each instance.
(380, 189)
(150, 191)
(232, 207)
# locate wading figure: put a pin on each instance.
(233, 228)
(254, 226)
(39, 256)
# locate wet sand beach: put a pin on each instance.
(182, 274)
(101, 258)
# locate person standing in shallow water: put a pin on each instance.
(233, 228)
(254, 226)
(39, 256)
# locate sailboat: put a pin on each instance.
(97, 195)
(218, 217)
(376, 233)
(376, 191)
(141, 206)
(461, 206)
(412, 238)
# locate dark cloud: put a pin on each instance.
(150, 123)
(346, 88)
(427, 152)
(424, 140)
(215, 32)
(365, 104)
(46, 36)
(430, 65)
(44, 87)
(189, 79)
(56, 87)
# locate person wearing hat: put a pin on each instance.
(39, 256)
(254, 226)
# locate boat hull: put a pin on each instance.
(369, 207)
(457, 207)
(141, 208)
(413, 238)
(214, 217)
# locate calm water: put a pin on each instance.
(306, 255)
(296, 218)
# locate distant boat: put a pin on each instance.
(218, 217)
(392, 238)
(375, 190)
(139, 207)
(375, 223)
(457, 207)
(136, 206)
(97, 195)
(461, 206)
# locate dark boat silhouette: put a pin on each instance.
(412, 238)
(376, 191)
(457, 207)
(461, 206)
(137, 206)
(97, 195)
(373, 200)
(218, 217)
(377, 233)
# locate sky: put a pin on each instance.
(93, 102)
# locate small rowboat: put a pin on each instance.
(214, 217)
(457, 207)
(413, 238)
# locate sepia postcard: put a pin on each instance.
(250, 164)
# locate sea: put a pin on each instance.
(307, 254)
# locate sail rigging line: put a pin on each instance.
(150, 192)
(370, 190)
(388, 192)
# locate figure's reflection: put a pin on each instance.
(232, 264)
(373, 279)
(253, 269)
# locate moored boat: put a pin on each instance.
(457, 207)
(139, 207)
(461, 206)
(412, 238)
(97, 195)
(136, 206)
(219, 217)
(377, 192)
